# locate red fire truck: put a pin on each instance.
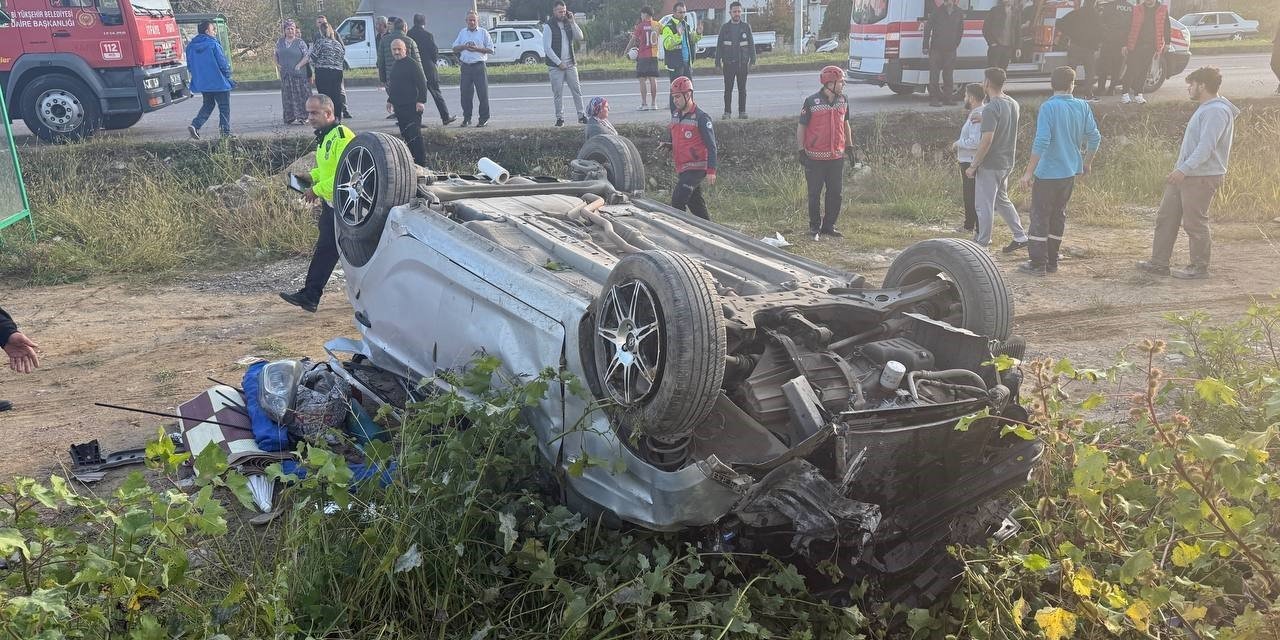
(71, 67)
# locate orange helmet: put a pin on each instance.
(682, 85)
(830, 73)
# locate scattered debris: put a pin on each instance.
(776, 241)
(88, 465)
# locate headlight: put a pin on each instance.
(151, 83)
(280, 389)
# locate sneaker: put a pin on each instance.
(1125, 99)
(559, 122)
(193, 132)
(582, 119)
(742, 116)
(299, 300)
(726, 116)
(1032, 268)
(1138, 99)
(1191, 272)
(483, 122)
(831, 232)
(448, 121)
(814, 231)
(1014, 246)
(1152, 268)
(643, 107)
(465, 123)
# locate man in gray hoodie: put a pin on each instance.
(1202, 164)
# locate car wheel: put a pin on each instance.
(902, 89)
(1237, 36)
(620, 159)
(117, 121)
(375, 174)
(60, 108)
(979, 300)
(659, 343)
(530, 57)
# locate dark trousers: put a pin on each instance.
(223, 101)
(687, 194)
(681, 68)
(1185, 206)
(1088, 59)
(970, 189)
(735, 73)
(324, 258)
(474, 78)
(1048, 219)
(1275, 61)
(999, 56)
(1137, 67)
(942, 64)
(829, 174)
(329, 83)
(1110, 66)
(409, 119)
(433, 87)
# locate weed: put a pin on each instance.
(271, 348)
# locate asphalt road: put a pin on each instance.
(258, 113)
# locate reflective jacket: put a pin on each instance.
(330, 141)
(679, 46)
(825, 135)
(693, 141)
(736, 44)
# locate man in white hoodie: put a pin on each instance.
(966, 147)
(1202, 164)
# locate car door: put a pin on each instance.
(507, 42)
(357, 35)
(1228, 25)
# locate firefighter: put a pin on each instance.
(693, 149)
(823, 135)
(331, 138)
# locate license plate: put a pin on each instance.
(175, 78)
(855, 64)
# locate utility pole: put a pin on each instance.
(797, 31)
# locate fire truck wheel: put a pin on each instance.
(59, 108)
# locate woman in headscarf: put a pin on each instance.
(291, 62)
(598, 118)
(327, 55)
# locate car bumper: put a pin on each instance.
(876, 71)
(1176, 62)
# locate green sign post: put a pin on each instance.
(14, 205)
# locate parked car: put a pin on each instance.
(706, 48)
(754, 399)
(1219, 24)
(517, 44)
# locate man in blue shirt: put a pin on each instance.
(1064, 126)
(211, 78)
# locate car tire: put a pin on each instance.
(1237, 36)
(986, 307)
(361, 205)
(659, 344)
(530, 57)
(902, 89)
(620, 158)
(60, 108)
(118, 121)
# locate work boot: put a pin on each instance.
(1191, 272)
(1152, 268)
(448, 120)
(300, 300)
(1013, 245)
(1032, 268)
(1051, 267)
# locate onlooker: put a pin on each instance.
(1115, 17)
(647, 39)
(1064, 126)
(380, 28)
(211, 78)
(473, 46)
(429, 55)
(558, 36)
(966, 147)
(328, 55)
(1148, 34)
(331, 138)
(1202, 165)
(993, 162)
(407, 97)
(320, 21)
(1000, 29)
(693, 149)
(291, 63)
(385, 60)
(1083, 30)
(679, 42)
(598, 118)
(20, 349)
(1275, 58)
(735, 55)
(942, 33)
(823, 135)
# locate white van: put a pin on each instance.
(886, 40)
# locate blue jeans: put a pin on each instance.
(223, 100)
(474, 78)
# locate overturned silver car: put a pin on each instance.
(754, 398)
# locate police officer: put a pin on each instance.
(823, 135)
(331, 138)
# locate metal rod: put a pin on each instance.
(233, 406)
(217, 381)
(166, 415)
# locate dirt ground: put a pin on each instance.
(152, 346)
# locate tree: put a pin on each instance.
(836, 19)
(529, 9)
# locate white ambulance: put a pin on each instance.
(886, 40)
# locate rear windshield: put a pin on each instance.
(869, 11)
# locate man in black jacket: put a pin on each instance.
(428, 53)
(942, 33)
(407, 98)
(735, 54)
(1082, 29)
(1114, 17)
(1000, 29)
(20, 349)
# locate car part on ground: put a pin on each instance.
(754, 397)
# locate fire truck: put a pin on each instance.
(886, 39)
(71, 67)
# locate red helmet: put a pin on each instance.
(682, 85)
(831, 73)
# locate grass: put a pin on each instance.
(1210, 47)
